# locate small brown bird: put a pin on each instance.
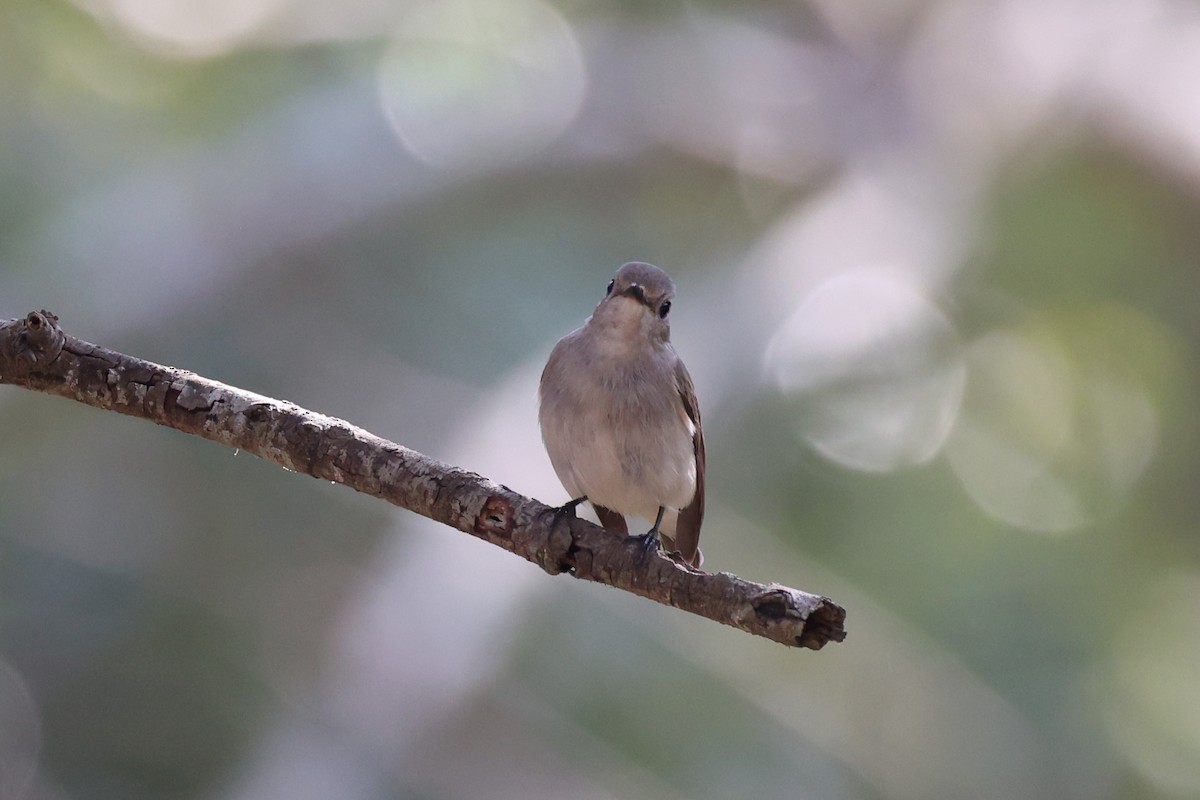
(619, 416)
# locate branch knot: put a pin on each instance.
(31, 343)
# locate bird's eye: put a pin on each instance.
(608, 291)
(664, 309)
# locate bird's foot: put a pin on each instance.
(649, 540)
(568, 509)
(562, 537)
(648, 543)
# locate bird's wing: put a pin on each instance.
(687, 529)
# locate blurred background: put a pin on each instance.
(938, 287)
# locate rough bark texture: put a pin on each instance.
(36, 354)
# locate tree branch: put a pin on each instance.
(36, 354)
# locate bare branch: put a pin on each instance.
(36, 354)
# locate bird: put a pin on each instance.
(620, 420)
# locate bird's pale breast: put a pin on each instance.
(623, 440)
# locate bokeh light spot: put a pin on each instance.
(1051, 437)
(1017, 416)
(874, 369)
(469, 83)
(187, 28)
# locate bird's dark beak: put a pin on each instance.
(635, 291)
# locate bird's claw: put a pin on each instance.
(648, 543)
(567, 509)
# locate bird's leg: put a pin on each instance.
(650, 540)
(657, 521)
